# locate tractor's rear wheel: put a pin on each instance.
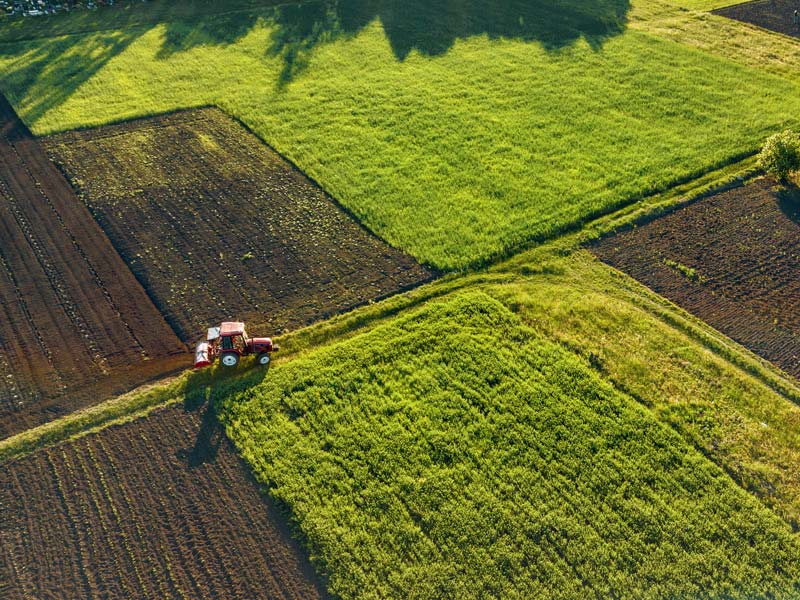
(263, 359)
(230, 359)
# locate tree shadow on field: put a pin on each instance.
(431, 27)
(222, 30)
(789, 201)
(205, 391)
(50, 73)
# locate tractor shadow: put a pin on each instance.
(205, 392)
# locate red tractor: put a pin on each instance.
(229, 342)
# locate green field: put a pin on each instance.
(456, 135)
(543, 428)
(456, 453)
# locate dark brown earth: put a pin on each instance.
(775, 15)
(158, 508)
(75, 325)
(217, 226)
(744, 248)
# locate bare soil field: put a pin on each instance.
(732, 259)
(775, 15)
(158, 508)
(75, 325)
(217, 226)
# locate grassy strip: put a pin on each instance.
(731, 40)
(704, 5)
(190, 388)
(124, 408)
(456, 139)
(455, 452)
(739, 411)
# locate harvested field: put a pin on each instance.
(75, 325)
(732, 259)
(217, 226)
(158, 508)
(775, 15)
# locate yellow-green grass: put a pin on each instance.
(737, 410)
(457, 453)
(704, 4)
(458, 138)
(732, 40)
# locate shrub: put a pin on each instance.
(781, 154)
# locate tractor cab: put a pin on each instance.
(232, 343)
(233, 338)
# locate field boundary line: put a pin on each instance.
(182, 386)
(647, 205)
(128, 407)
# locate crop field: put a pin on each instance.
(158, 508)
(455, 453)
(218, 227)
(775, 15)
(75, 325)
(732, 259)
(561, 412)
(454, 137)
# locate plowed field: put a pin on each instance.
(151, 509)
(776, 15)
(75, 325)
(217, 226)
(732, 259)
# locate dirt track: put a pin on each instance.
(217, 226)
(158, 508)
(732, 259)
(75, 325)
(775, 15)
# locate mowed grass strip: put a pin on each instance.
(737, 410)
(455, 453)
(458, 136)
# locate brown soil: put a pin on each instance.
(75, 325)
(775, 15)
(732, 259)
(151, 509)
(217, 226)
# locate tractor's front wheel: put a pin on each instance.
(263, 359)
(230, 359)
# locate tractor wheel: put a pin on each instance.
(263, 359)
(230, 359)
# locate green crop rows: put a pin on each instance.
(454, 453)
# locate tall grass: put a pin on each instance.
(457, 137)
(455, 453)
